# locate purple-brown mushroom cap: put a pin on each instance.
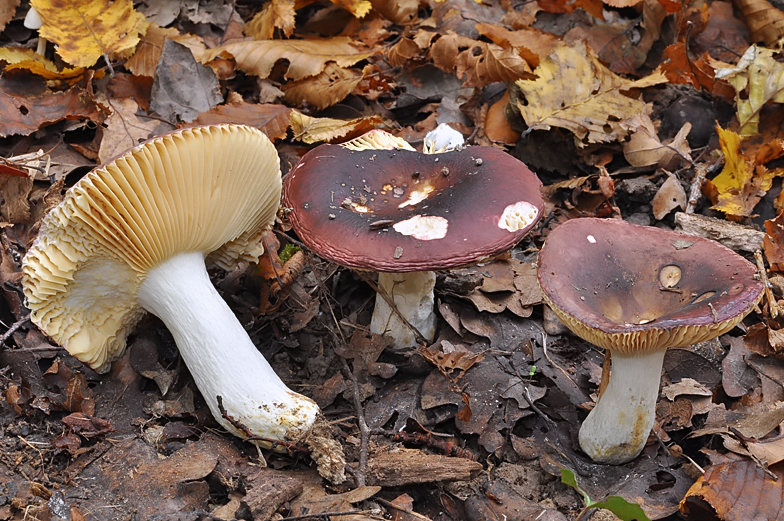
(631, 288)
(402, 211)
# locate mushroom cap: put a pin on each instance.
(401, 210)
(212, 189)
(633, 289)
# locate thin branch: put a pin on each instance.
(11, 330)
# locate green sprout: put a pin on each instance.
(287, 251)
(623, 509)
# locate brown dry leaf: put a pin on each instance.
(614, 44)
(401, 12)
(277, 14)
(124, 129)
(325, 89)
(445, 50)
(576, 92)
(452, 358)
(773, 243)
(484, 63)
(679, 67)
(24, 113)
(768, 452)
(312, 130)
(645, 149)
(737, 490)
(86, 29)
(404, 50)
(7, 10)
(19, 58)
(671, 195)
(497, 127)
(306, 57)
(758, 79)
(530, 43)
(270, 118)
(622, 3)
(741, 183)
(765, 21)
(148, 51)
(592, 7)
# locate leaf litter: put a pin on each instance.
(658, 112)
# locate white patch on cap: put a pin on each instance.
(591, 239)
(417, 196)
(517, 216)
(423, 227)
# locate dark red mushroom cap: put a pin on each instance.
(400, 211)
(631, 288)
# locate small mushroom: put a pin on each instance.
(636, 291)
(436, 222)
(133, 235)
(33, 21)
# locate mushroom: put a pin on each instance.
(133, 235)
(636, 291)
(374, 203)
(33, 21)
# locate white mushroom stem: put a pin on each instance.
(33, 21)
(413, 296)
(219, 354)
(617, 429)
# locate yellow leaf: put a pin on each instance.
(85, 29)
(28, 59)
(325, 89)
(306, 57)
(312, 130)
(741, 184)
(277, 14)
(576, 92)
(758, 79)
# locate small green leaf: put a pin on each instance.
(567, 477)
(620, 507)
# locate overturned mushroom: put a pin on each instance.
(376, 204)
(133, 236)
(635, 291)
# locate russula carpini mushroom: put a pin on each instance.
(133, 235)
(374, 203)
(636, 291)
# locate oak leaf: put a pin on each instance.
(486, 63)
(575, 91)
(306, 57)
(758, 79)
(86, 29)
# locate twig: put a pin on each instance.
(11, 330)
(324, 515)
(393, 506)
(364, 430)
(695, 191)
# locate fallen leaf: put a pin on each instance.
(277, 14)
(765, 21)
(24, 111)
(270, 118)
(530, 43)
(497, 127)
(19, 58)
(741, 183)
(7, 10)
(148, 51)
(645, 149)
(84, 30)
(325, 89)
(484, 63)
(671, 195)
(305, 57)
(182, 88)
(681, 68)
(401, 12)
(312, 130)
(124, 129)
(773, 243)
(576, 92)
(758, 79)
